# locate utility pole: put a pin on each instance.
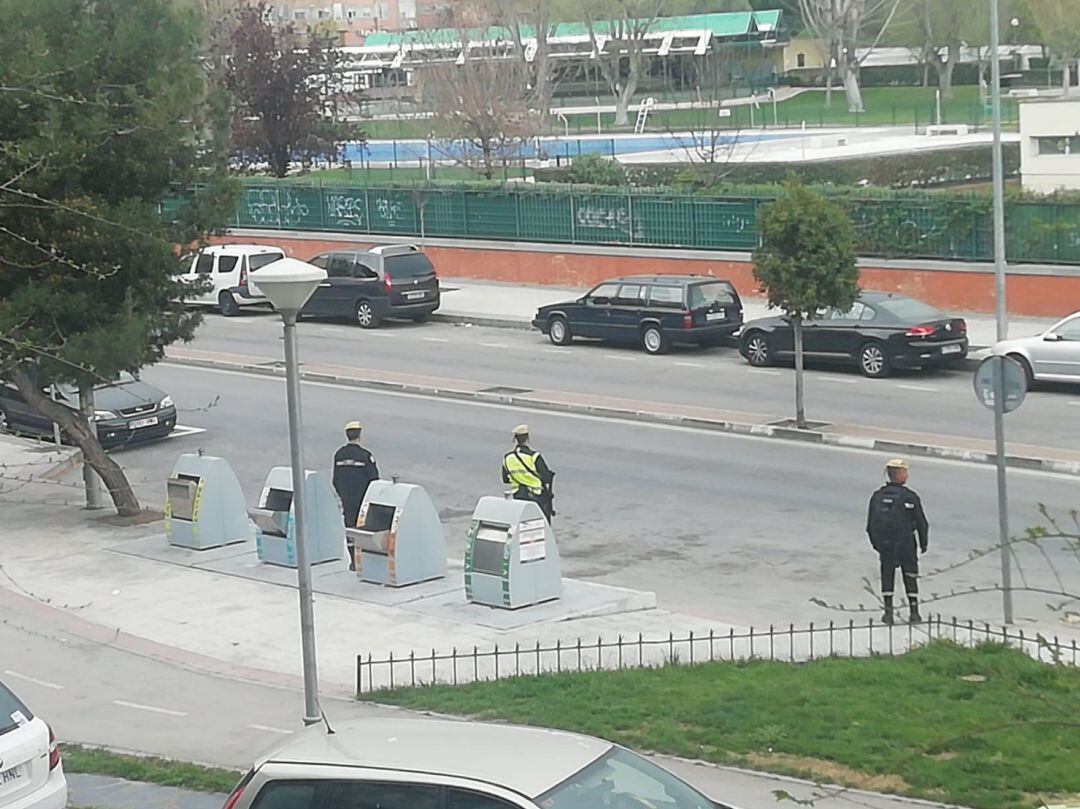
(1001, 313)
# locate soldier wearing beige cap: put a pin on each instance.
(894, 519)
(528, 474)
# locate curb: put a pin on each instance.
(756, 430)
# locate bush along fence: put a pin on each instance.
(896, 226)
(788, 644)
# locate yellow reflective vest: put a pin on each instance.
(521, 469)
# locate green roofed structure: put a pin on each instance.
(728, 47)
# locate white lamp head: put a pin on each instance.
(288, 283)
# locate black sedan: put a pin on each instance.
(880, 332)
(126, 411)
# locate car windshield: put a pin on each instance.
(702, 295)
(623, 780)
(261, 260)
(410, 265)
(909, 310)
(12, 711)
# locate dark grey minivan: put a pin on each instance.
(368, 286)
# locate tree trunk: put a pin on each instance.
(1066, 79)
(85, 437)
(851, 87)
(627, 89)
(828, 89)
(945, 71)
(800, 409)
(488, 170)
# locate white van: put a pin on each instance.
(226, 267)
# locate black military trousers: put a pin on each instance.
(543, 500)
(903, 555)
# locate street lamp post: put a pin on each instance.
(1000, 311)
(288, 284)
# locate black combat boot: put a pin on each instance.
(914, 617)
(888, 616)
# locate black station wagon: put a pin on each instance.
(655, 311)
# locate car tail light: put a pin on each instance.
(54, 751)
(961, 326)
(920, 331)
(238, 791)
(388, 282)
(243, 274)
(687, 321)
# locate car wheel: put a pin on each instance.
(424, 318)
(653, 340)
(227, 304)
(873, 361)
(364, 314)
(758, 351)
(559, 331)
(1029, 374)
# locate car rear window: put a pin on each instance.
(410, 265)
(10, 710)
(261, 260)
(909, 310)
(702, 295)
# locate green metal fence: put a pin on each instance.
(952, 228)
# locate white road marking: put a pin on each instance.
(27, 678)
(269, 729)
(690, 364)
(151, 708)
(495, 345)
(331, 329)
(623, 357)
(181, 430)
(1075, 404)
(981, 468)
(435, 339)
(556, 350)
(371, 333)
(762, 371)
(925, 388)
(841, 379)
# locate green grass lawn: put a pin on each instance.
(150, 770)
(988, 728)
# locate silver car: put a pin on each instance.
(442, 764)
(1053, 356)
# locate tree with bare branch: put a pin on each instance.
(842, 26)
(530, 25)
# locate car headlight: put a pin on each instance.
(166, 402)
(101, 415)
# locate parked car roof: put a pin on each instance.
(661, 278)
(242, 248)
(529, 761)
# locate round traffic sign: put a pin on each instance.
(1015, 382)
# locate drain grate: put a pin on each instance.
(810, 425)
(505, 390)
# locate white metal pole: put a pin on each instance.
(303, 566)
(1001, 314)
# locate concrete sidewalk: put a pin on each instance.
(515, 305)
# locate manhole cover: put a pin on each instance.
(810, 425)
(505, 390)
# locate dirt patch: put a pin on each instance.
(144, 517)
(828, 772)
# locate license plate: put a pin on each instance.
(138, 423)
(950, 349)
(9, 776)
(721, 315)
(412, 296)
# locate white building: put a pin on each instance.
(1050, 145)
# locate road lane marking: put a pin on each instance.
(495, 345)
(974, 466)
(379, 334)
(1075, 404)
(690, 364)
(762, 371)
(925, 388)
(181, 430)
(27, 678)
(151, 708)
(331, 329)
(556, 350)
(269, 729)
(435, 339)
(842, 380)
(623, 357)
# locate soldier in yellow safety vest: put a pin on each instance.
(527, 474)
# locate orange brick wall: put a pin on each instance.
(1028, 295)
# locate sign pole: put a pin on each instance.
(1002, 494)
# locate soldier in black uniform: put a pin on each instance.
(354, 469)
(894, 519)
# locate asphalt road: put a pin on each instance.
(742, 529)
(936, 401)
